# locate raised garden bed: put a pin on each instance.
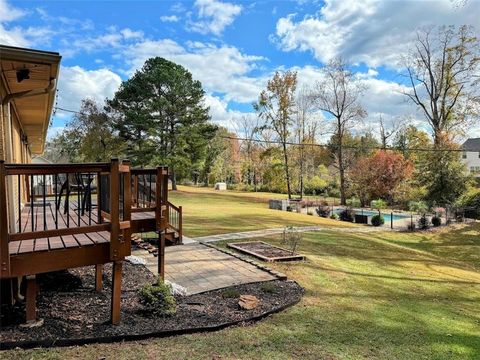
(265, 251)
(74, 313)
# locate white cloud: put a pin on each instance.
(223, 116)
(76, 84)
(214, 16)
(171, 18)
(374, 32)
(9, 13)
(221, 69)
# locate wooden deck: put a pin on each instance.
(60, 220)
(73, 215)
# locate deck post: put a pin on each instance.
(31, 298)
(98, 277)
(4, 237)
(114, 210)
(159, 201)
(116, 291)
(161, 255)
(127, 208)
(180, 224)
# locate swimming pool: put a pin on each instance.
(370, 213)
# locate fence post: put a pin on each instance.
(411, 222)
(391, 220)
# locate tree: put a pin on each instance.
(386, 132)
(441, 71)
(160, 114)
(380, 176)
(338, 95)
(276, 106)
(248, 129)
(442, 173)
(88, 137)
(305, 130)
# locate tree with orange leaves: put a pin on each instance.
(380, 176)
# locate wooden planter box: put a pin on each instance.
(260, 249)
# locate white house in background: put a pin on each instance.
(471, 155)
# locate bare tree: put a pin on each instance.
(441, 69)
(248, 128)
(276, 105)
(338, 95)
(303, 129)
(388, 129)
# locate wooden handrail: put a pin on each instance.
(51, 169)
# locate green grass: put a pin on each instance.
(209, 212)
(367, 296)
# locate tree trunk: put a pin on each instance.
(174, 179)
(287, 173)
(341, 167)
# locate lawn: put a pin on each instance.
(210, 212)
(374, 296)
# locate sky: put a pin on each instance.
(233, 48)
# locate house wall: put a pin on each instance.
(472, 160)
(12, 150)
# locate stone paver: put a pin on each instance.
(199, 268)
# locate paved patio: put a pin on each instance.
(199, 268)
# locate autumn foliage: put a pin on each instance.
(380, 176)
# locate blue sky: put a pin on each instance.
(231, 47)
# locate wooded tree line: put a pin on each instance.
(159, 117)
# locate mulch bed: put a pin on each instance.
(265, 251)
(74, 313)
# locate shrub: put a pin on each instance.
(230, 293)
(289, 208)
(323, 211)
(269, 288)
(411, 226)
(418, 206)
(158, 298)
(436, 221)
(378, 220)
(309, 212)
(353, 202)
(334, 216)
(378, 204)
(347, 215)
(423, 223)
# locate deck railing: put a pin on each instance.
(150, 192)
(40, 201)
(174, 219)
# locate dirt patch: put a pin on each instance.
(265, 251)
(74, 313)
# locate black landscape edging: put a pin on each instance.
(159, 334)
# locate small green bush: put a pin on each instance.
(269, 288)
(289, 208)
(353, 202)
(377, 220)
(423, 223)
(334, 216)
(158, 299)
(230, 293)
(436, 221)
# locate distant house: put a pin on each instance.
(471, 155)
